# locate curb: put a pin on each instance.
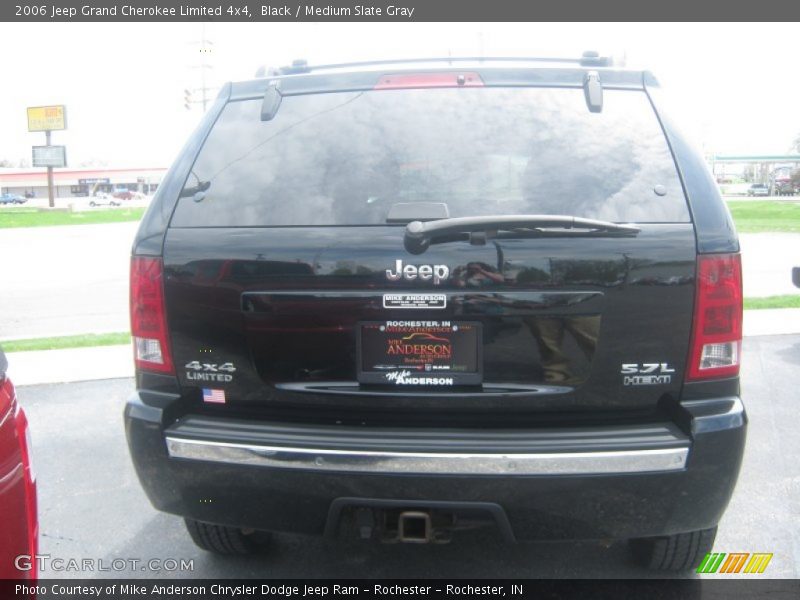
(771, 321)
(73, 364)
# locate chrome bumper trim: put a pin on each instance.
(357, 461)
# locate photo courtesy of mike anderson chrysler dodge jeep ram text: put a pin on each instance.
(395, 299)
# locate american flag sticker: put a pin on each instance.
(215, 396)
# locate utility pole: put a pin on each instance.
(204, 66)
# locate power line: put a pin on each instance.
(204, 66)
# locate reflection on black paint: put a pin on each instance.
(282, 303)
(550, 333)
(476, 275)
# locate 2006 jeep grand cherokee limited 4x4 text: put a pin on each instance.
(394, 299)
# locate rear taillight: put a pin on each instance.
(717, 336)
(148, 317)
(24, 437)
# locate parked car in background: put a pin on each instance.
(123, 194)
(785, 187)
(19, 525)
(758, 189)
(105, 200)
(12, 199)
(796, 276)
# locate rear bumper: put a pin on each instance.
(418, 463)
(629, 481)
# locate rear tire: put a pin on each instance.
(679, 552)
(225, 540)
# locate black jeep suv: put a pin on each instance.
(394, 299)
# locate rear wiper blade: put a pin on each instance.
(420, 235)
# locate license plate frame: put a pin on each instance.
(419, 353)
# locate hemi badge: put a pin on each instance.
(428, 301)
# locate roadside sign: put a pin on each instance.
(49, 156)
(47, 118)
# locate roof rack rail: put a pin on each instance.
(589, 58)
(299, 65)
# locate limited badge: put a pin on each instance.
(210, 371)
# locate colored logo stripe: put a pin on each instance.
(734, 562)
(758, 563)
(714, 562)
(711, 562)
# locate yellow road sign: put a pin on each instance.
(47, 118)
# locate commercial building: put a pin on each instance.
(80, 182)
(758, 168)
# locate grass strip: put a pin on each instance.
(750, 216)
(757, 216)
(33, 217)
(785, 301)
(67, 341)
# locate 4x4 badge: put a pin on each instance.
(198, 371)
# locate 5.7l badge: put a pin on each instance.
(646, 373)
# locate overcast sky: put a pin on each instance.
(733, 87)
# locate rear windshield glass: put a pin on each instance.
(347, 158)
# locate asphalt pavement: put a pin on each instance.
(92, 507)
